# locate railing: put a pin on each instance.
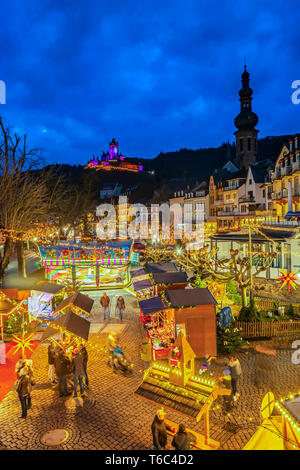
(258, 329)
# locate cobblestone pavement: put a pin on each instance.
(111, 417)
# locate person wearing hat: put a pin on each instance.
(146, 352)
(159, 430)
(182, 439)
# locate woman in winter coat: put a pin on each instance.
(22, 389)
(120, 307)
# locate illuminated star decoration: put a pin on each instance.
(288, 279)
(22, 343)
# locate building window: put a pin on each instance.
(250, 181)
(249, 143)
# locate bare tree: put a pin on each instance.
(236, 268)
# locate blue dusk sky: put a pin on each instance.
(156, 75)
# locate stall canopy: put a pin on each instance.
(140, 285)
(48, 287)
(69, 323)
(137, 273)
(76, 302)
(190, 297)
(169, 277)
(161, 267)
(153, 305)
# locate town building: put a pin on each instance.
(285, 179)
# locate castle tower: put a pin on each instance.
(113, 149)
(245, 121)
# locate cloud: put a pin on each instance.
(156, 75)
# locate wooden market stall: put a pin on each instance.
(169, 280)
(179, 388)
(194, 314)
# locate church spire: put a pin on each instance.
(245, 121)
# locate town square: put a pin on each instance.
(149, 230)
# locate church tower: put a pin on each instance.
(246, 120)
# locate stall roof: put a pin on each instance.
(153, 305)
(70, 323)
(161, 267)
(170, 277)
(81, 301)
(190, 297)
(137, 273)
(48, 287)
(140, 285)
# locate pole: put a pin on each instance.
(250, 259)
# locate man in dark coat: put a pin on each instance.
(78, 372)
(62, 365)
(159, 430)
(182, 439)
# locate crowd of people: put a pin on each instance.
(67, 361)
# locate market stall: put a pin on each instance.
(41, 300)
(169, 280)
(194, 314)
(159, 325)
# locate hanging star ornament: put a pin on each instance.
(288, 279)
(23, 343)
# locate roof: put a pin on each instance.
(259, 170)
(71, 323)
(153, 305)
(161, 267)
(190, 297)
(140, 285)
(241, 236)
(48, 287)
(169, 277)
(185, 349)
(137, 273)
(81, 301)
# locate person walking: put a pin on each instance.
(146, 352)
(183, 439)
(29, 367)
(159, 431)
(104, 301)
(78, 372)
(61, 365)
(226, 383)
(85, 358)
(235, 372)
(120, 307)
(22, 389)
(51, 359)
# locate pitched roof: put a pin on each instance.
(169, 277)
(48, 287)
(81, 301)
(190, 297)
(153, 305)
(161, 267)
(71, 323)
(185, 349)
